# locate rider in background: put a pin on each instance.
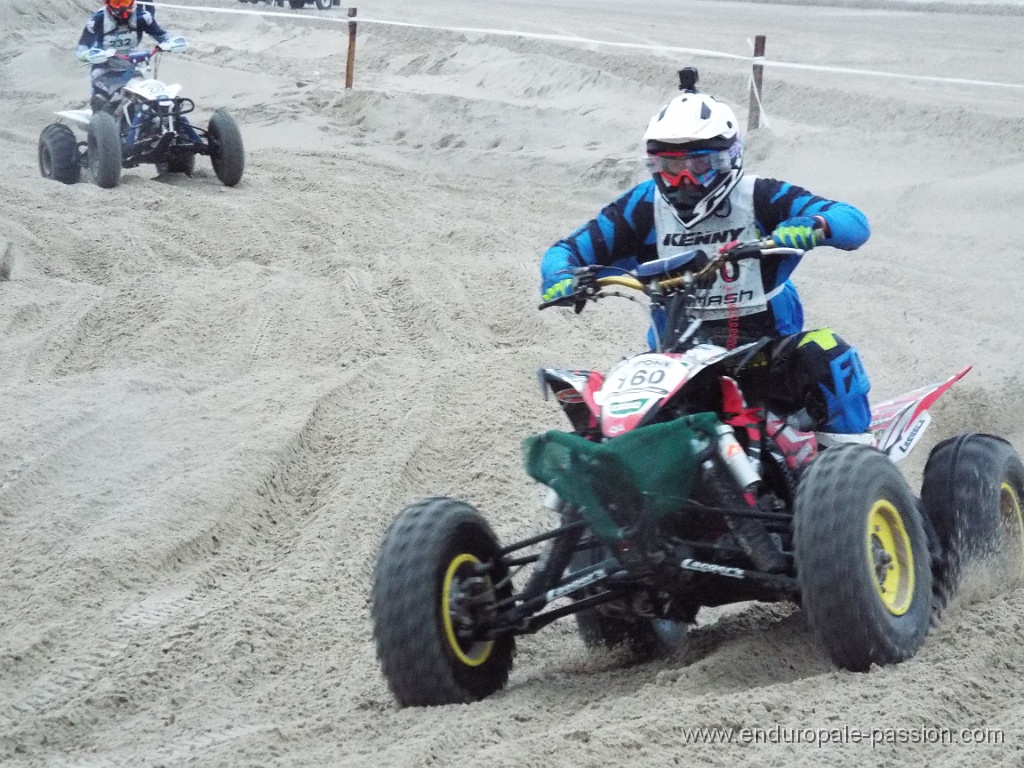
(119, 25)
(699, 197)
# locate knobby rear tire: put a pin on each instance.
(58, 154)
(184, 163)
(972, 492)
(613, 626)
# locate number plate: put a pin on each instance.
(634, 386)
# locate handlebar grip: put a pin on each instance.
(561, 301)
(575, 302)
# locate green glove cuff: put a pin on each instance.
(802, 237)
(558, 290)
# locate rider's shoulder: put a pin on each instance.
(644, 191)
(95, 24)
(771, 188)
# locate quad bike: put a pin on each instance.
(673, 492)
(137, 119)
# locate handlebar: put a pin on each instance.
(679, 272)
(133, 58)
(173, 45)
(137, 57)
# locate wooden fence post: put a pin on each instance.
(351, 61)
(754, 116)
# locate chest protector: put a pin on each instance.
(121, 38)
(739, 287)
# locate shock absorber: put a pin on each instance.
(751, 533)
(736, 459)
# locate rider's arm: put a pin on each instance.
(90, 38)
(775, 201)
(147, 24)
(622, 234)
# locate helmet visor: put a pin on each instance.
(699, 166)
(121, 9)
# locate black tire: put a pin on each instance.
(862, 558)
(226, 151)
(429, 552)
(324, 5)
(612, 625)
(58, 154)
(972, 492)
(104, 150)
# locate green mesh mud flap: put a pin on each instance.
(638, 477)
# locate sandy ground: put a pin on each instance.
(214, 400)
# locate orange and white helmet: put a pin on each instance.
(120, 10)
(695, 154)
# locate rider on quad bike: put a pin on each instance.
(678, 487)
(699, 197)
(118, 26)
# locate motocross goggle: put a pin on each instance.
(121, 9)
(699, 166)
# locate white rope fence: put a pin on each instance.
(756, 61)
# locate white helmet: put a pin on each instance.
(695, 153)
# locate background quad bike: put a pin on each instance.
(62, 156)
(872, 580)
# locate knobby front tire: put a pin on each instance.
(429, 584)
(862, 558)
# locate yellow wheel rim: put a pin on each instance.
(1011, 518)
(890, 557)
(476, 653)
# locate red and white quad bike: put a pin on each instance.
(673, 492)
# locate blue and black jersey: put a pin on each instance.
(102, 31)
(640, 226)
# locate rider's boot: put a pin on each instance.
(802, 421)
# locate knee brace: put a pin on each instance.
(839, 379)
(847, 402)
